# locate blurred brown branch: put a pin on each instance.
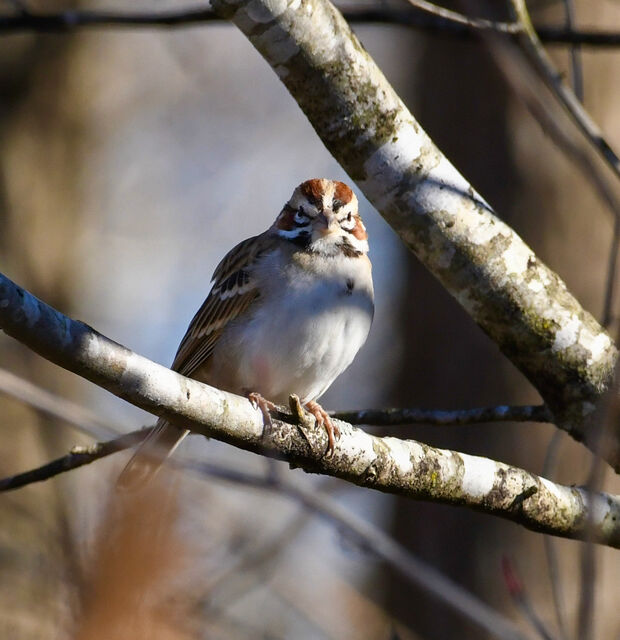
(53, 405)
(364, 533)
(137, 556)
(439, 24)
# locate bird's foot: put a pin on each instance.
(323, 419)
(265, 406)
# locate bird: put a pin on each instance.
(287, 312)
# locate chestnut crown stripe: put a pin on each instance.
(314, 190)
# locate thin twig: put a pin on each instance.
(520, 598)
(610, 279)
(250, 570)
(77, 457)
(377, 542)
(459, 18)
(587, 579)
(553, 563)
(394, 417)
(576, 65)
(608, 415)
(525, 84)
(53, 405)
(181, 18)
(543, 64)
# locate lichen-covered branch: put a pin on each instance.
(518, 301)
(388, 464)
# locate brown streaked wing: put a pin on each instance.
(232, 275)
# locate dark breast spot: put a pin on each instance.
(350, 285)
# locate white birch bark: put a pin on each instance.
(388, 464)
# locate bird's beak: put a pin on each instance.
(327, 222)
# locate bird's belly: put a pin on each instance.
(302, 348)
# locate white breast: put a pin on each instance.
(312, 319)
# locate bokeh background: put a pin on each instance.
(130, 162)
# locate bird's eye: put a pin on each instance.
(347, 222)
(301, 216)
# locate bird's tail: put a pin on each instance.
(150, 456)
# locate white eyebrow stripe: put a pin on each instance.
(293, 232)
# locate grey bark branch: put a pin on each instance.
(394, 417)
(74, 19)
(388, 464)
(76, 458)
(518, 301)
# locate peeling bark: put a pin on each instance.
(518, 301)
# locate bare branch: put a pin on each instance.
(53, 405)
(407, 564)
(394, 417)
(531, 89)
(455, 17)
(533, 46)
(551, 551)
(392, 465)
(522, 600)
(576, 63)
(76, 458)
(182, 18)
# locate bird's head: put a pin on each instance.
(321, 216)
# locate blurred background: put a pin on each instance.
(130, 162)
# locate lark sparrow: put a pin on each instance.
(287, 313)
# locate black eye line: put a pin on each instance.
(300, 211)
(336, 205)
(347, 218)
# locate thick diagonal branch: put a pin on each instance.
(388, 464)
(518, 301)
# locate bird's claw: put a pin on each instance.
(265, 406)
(323, 419)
